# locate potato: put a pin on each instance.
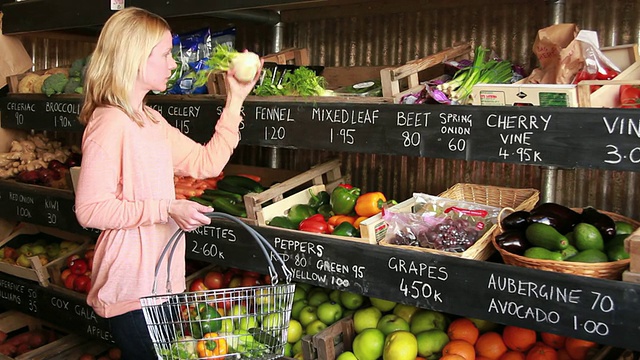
(25, 86)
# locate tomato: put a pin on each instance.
(214, 280)
(250, 281)
(253, 274)
(630, 96)
(198, 285)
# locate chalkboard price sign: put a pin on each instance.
(18, 295)
(600, 310)
(60, 114)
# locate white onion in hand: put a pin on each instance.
(245, 66)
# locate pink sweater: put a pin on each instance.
(124, 189)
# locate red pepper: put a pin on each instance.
(314, 224)
(630, 96)
(606, 73)
(346, 186)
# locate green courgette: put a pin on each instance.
(200, 200)
(228, 206)
(240, 182)
(209, 194)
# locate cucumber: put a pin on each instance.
(589, 256)
(209, 194)
(538, 252)
(546, 236)
(200, 200)
(228, 206)
(232, 188)
(242, 181)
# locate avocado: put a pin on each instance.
(546, 236)
(588, 236)
(589, 256)
(538, 252)
(617, 252)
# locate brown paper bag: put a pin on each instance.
(559, 55)
(14, 59)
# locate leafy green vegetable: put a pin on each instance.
(268, 87)
(480, 72)
(221, 57)
(55, 84)
(303, 82)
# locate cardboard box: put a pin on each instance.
(43, 273)
(624, 56)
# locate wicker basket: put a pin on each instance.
(606, 270)
(520, 199)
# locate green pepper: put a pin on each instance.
(207, 320)
(281, 222)
(326, 211)
(299, 212)
(319, 199)
(345, 229)
(343, 200)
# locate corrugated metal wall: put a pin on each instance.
(357, 32)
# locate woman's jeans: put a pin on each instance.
(131, 335)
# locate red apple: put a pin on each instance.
(81, 282)
(254, 274)
(250, 281)
(10, 253)
(214, 280)
(79, 266)
(68, 282)
(198, 285)
(71, 258)
(63, 275)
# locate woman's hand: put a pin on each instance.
(189, 215)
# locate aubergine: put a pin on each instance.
(603, 222)
(518, 220)
(513, 241)
(559, 216)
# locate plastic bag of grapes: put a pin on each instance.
(440, 223)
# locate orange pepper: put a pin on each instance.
(356, 224)
(336, 220)
(369, 204)
(211, 345)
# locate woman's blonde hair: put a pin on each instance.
(124, 45)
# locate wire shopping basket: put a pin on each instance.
(233, 323)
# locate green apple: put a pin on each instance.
(23, 260)
(38, 249)
(335, 296)
(307, 315)
(425, 319)
(306, 287)
(351, 300)
(405, 311)
(366, 318)
(484, 325)
(382, 304)
(297, 347)
(294, 331)
(431, 342)
(248, 322)
(347, 355)
(369, 344)
(315, 327)
(288, 350)
(226, 325)
(272, 321)
(317, 296)
(299, 293)
(389, 323)
(296, 307)
(329, 312)
(400, 345)
(298, 356)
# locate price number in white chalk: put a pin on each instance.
(19, 119)
(274, 133)
(411, 139)
(345, 136)
(208, 250)
(419, 289)
(617, 155)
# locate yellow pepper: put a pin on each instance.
(356, 224)
(211, 345)
(369, 204)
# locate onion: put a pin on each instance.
(245, 66)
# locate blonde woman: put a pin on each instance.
(130, 155)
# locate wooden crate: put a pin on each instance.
(14, 80)
(293, 56)
(608, 95)
(13, 323)
(93, 347)
(44, 274)
(330, 342)
(402, 80)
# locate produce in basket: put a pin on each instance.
(555, 232)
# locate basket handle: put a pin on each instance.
(502, 215)
(262, 242)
